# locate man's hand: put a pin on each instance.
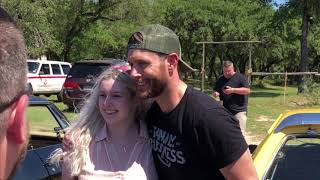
(215, 94)
(67, 144)
(228, 90)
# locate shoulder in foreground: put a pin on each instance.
(202, 100)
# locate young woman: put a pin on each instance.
(109, 140)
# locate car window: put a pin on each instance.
(33, 67)
(45, 69)
(299, 158)
(41, 121)
(65, 69)
(55, 69)
(84, 70)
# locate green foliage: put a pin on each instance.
(308, 9)
(214, 20)
(108, 37)
(313, 93)
(73, 30)
(79, 29)
(33, 18)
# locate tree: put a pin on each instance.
(214, 20)
(65, 30)
(32, 18)
(308, 9)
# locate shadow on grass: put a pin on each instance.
(67, 110)
(260, 87)
(265, 94)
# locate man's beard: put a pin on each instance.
(155, 88)
(21, 157)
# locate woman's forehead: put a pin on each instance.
(112, 85)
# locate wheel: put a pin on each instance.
(59, 97)
(30, 89)
(70, 107)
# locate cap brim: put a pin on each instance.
(185, 67)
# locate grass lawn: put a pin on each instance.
(265, 105)
(41, 121)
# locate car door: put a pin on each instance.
(46, 124)
(57, 78)
(44, 78)
(32, 168)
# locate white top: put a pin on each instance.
(104, 157)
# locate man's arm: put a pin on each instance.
(241, 169)
(244, 88)
(241, 91)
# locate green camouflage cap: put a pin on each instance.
(158, 38)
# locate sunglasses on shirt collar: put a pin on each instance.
(5, 105)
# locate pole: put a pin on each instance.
(285, 88)
(223, 42)
(249, 65)
(202, 68)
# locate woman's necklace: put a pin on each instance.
(121, 154)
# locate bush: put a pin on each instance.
(313, 93)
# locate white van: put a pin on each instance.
(46, 77)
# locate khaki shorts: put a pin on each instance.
(242, 117)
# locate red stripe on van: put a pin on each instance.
(41, 77)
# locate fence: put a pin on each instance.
(286, 74)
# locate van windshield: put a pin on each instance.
(33, 67)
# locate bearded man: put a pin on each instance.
(192, 135)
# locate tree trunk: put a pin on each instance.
(211, 66)
(302, 87)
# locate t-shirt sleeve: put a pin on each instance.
(220, 137)
(244, 81)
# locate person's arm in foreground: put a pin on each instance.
(241, 169)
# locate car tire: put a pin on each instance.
(30, 89)
(59, 97)
(71, 107)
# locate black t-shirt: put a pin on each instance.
(195, 139)
(233, 102)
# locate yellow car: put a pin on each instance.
(291, 150)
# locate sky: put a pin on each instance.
(280, 1)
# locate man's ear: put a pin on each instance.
(17, 127)
(173, 61)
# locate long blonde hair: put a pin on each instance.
(89, 122)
